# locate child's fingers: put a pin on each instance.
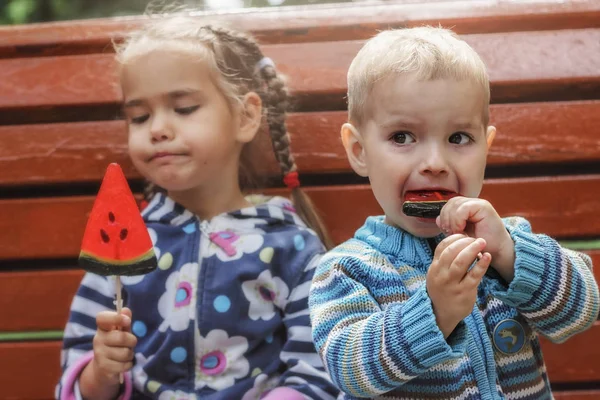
(126, 311)
(117, 338)
(447, 214)
(453, 250)
(464, 259)
(443, 245)
(110, 320)
(474, 276)
(119, 354)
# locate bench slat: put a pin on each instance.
(333, 22)
(55, 290)
(578, 395)
(38, 362)
(53, 227)
(520, 64)
(530, 133)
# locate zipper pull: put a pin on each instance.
(223, 240)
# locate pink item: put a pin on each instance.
(72, 375)
(283, 393)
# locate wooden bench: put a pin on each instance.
(59, 128)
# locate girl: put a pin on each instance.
(225, 315)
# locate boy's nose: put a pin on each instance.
(434, 162)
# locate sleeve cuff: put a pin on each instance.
(427, 342)
(70, 391)
(529, 269)
(283, 393)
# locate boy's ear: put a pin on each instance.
(250, 117)
(354, 146)
(490, 134)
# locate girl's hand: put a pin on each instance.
(113, 354)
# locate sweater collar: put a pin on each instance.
(396, 242)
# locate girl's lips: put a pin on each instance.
(164, 155)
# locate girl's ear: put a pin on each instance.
(250, 117)
(355, 150)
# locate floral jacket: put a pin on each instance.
(225, 314)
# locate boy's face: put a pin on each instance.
(420, 135)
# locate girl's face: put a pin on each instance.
(184, 135)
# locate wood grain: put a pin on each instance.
(26, 362)
(519, 63)
(534, 133)
(53, 227)
(23, 292)
(325, 23)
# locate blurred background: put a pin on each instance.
(27, 11)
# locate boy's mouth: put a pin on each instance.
(426, 203)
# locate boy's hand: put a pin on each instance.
(478, 219)
(113, 348)
(451, 286)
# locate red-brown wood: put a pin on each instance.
(36, 300)
(26, 362)
(52, 227)
(29, 370)
(325, 23)
(577, 395)
(575, 360)
(55, 290)
(520, 63)
(531, 133)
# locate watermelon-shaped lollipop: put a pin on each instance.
(116, 241)
(426, 203)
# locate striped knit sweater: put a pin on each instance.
(374, 327)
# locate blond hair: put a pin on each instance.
(237, 66)
(430, 53)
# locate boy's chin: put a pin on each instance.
(419, 227)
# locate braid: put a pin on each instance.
(275, 97)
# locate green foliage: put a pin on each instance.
(28, 11)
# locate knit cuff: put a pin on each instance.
(426, 341)
(529, 269)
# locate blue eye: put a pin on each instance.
(186, 110)
(402, 137)
(460, 138)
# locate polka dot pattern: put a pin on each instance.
(299, 242)
(166, 261)
(222, 303)
(266, 255)
(139, 329)
(178, 355)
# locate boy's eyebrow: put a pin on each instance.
(465, 125)
(393, 122)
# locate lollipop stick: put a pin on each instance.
(119, 306)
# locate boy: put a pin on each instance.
(408, 307)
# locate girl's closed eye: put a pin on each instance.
(402, 137)
(187, 110)
(137, 120)
(460, 138)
